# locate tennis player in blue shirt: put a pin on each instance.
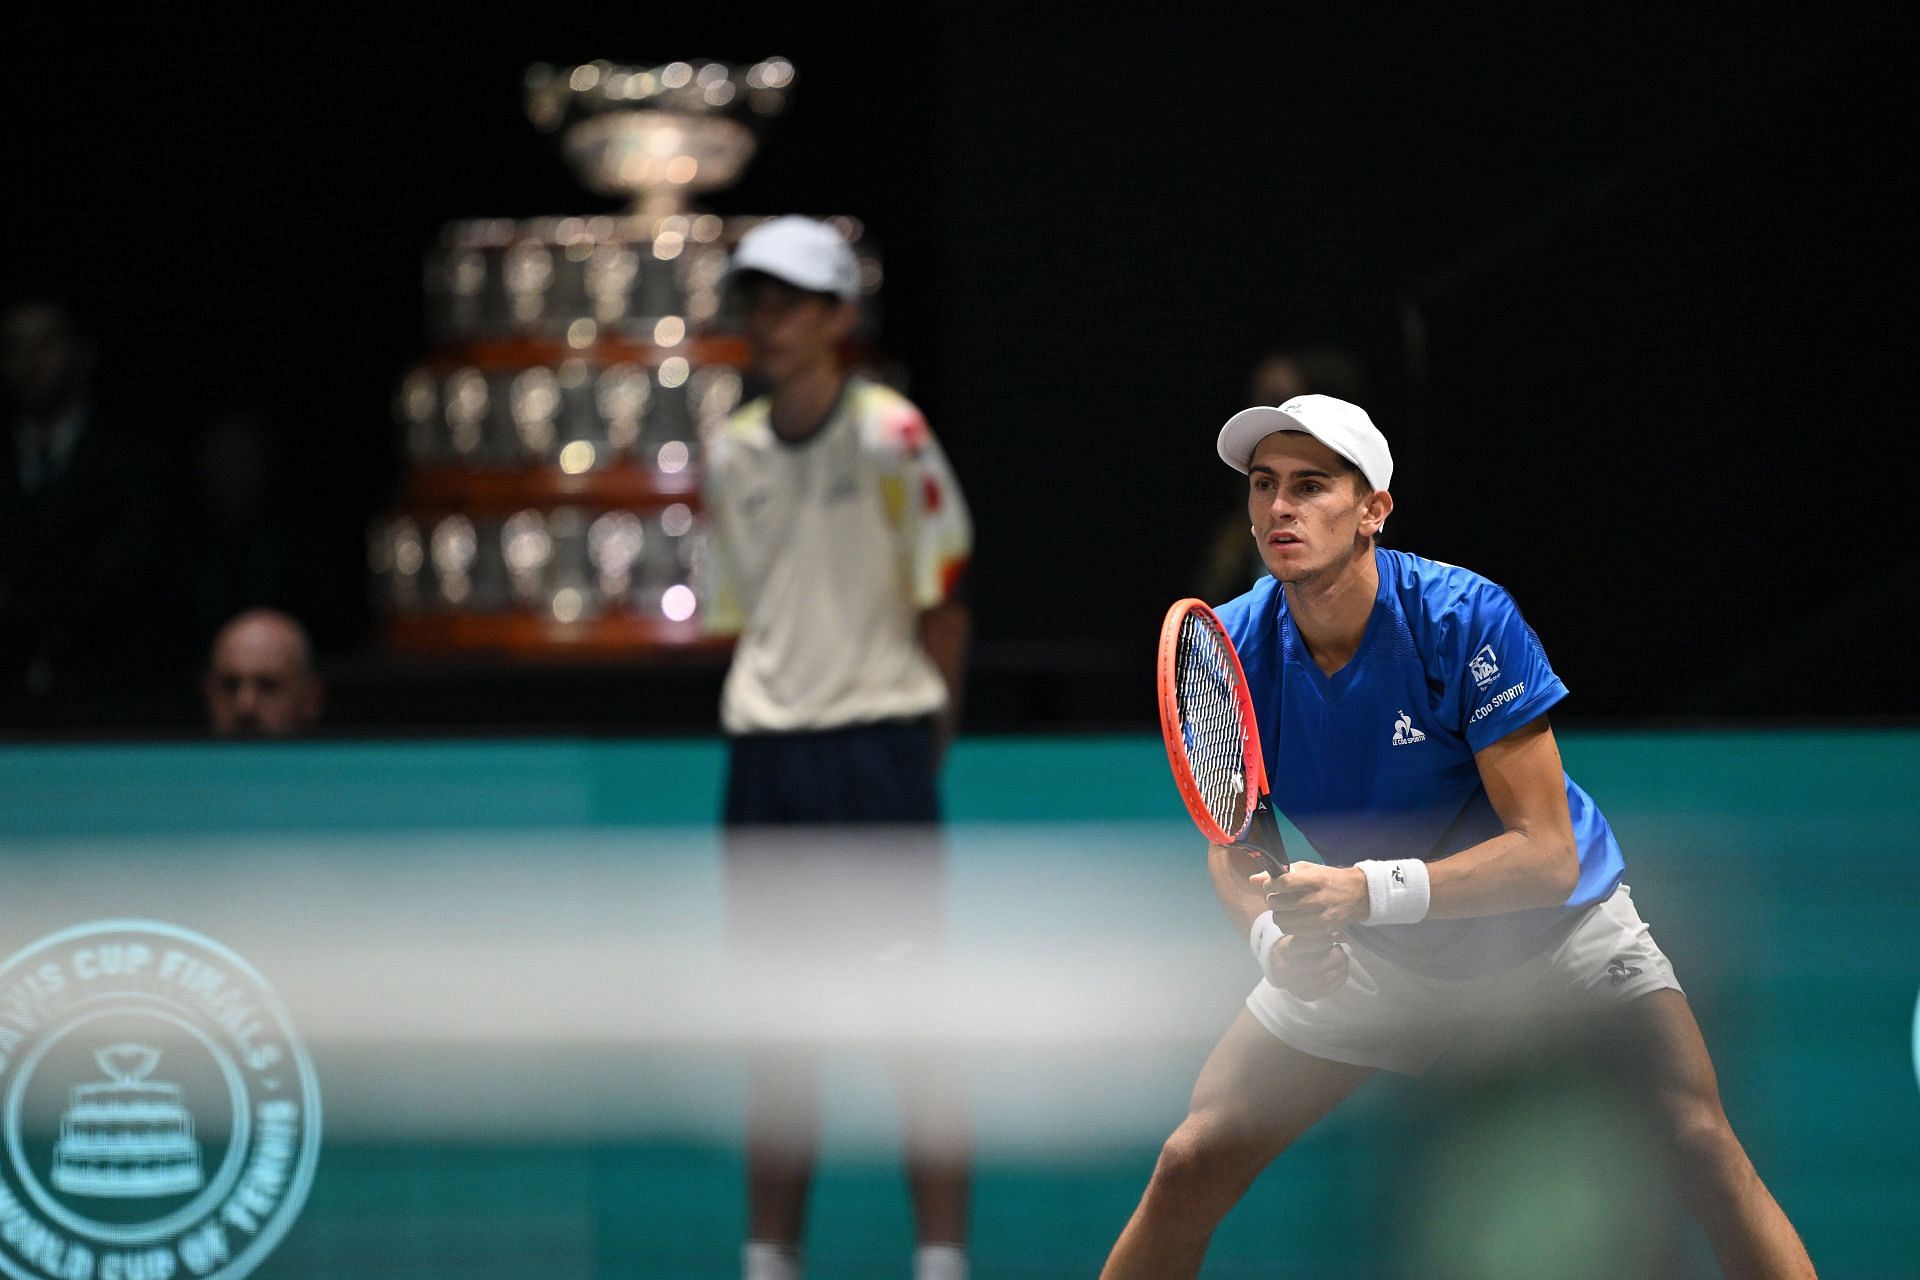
(1403, 712)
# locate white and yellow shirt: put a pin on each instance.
(821, 556)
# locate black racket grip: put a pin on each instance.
(1263, 839)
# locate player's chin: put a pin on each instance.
(1285, 570)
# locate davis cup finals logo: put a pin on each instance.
(159, 1118)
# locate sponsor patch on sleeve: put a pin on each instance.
(1498, 700)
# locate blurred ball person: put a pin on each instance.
(839, 537)
(87, 507)
(260, 680)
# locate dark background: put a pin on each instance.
(1633, 289)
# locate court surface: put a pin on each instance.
(504, 960)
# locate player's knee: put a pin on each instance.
(1206, 1162)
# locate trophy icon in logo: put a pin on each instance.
(127, 1136)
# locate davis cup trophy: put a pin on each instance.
(554, 438)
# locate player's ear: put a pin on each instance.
(1374, 512)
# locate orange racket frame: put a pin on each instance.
(1259, 830)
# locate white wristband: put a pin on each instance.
(1262, 937)
(1398, 892)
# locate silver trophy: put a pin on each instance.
(582, 364)
(657, 134)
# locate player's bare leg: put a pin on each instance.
(935, 1129)
(1255, 1096)
(783, 1141)
(1750, 1235)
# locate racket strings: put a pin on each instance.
(1211, 728)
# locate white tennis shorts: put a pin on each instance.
(1388, 1017)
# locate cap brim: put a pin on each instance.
(1246, 429)
(785, 274)
(777, 271)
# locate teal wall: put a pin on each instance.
(1778, 870)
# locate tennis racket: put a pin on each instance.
(1213, 740)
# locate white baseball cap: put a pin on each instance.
(1344, 428)
(806, 254)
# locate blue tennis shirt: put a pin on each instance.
(1376, 760)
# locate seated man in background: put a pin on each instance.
(1231, 566)
(260, 681)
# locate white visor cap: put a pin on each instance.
(806, 254)
(1344, 428)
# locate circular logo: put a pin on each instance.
(158, 1116)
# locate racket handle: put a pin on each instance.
(1264, 841)
(1274, 867)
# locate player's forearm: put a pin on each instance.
(945, 632)
(1513, 871)
(1241, 899)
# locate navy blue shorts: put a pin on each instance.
(881, 772)
(833, 850)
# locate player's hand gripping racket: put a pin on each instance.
(1213, 740)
